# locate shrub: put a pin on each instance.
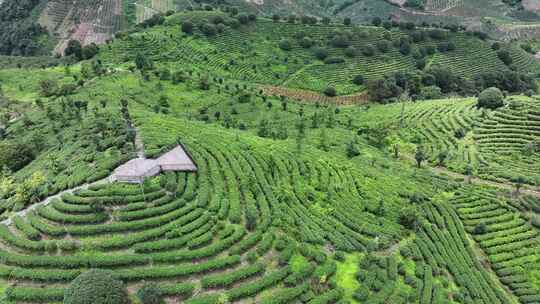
(368, 51)
(243, 19)
(339, 256)
(209, 29)
(480, 228)
(350, 51)
(340, 41)
(285, 45)
(306, 42)
(321, 53)
(408, 217)
(334, 60)
(150, 294)
(89, 51)
(505, 57)
(14, 156)
(405, 49)
(96, 287)
(383, 46)
(358, 80)
(431, 92)
(330, 92)
(490, 98)
(74, 48)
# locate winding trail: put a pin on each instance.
(47, 200)
(527, 189)
(140, 153)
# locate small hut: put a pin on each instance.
(176, 160)
(136, 170)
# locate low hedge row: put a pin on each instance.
(200, 240)
(328, 297)
(144, 224)
(188, 227)
(180, 289)
(30, 294)
(285, 295)
(207, 299)
(230, 278)
(168, 244)
(26, 229)
(162, 272)
(61, 206)
(52, 214)
(253, 288)
(158, 207)
(247, 243)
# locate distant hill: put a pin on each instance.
(96, 21)
(26, 23)
(87, 21)
(312, 57)
(500, 19)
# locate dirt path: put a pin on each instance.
(140, 153)
(314, 97)
(139, 146)
(47, 200)
(527, 189)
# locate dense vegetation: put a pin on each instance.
(401, 192)
(19, 35)
(300, 54)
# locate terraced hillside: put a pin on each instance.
(495, 145)
(505, 236)
(266, 218)
(86, 21)
(506, 18)
(312, 201)
(253, 53)
(224, 232)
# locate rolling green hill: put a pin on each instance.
(264, 218)
(255, 53)
(298, 197)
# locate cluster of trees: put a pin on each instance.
(15, 155)
(156, 19)
(405, 44)
(18, 36)
(74, 48)
(437, 81)
(217, 24)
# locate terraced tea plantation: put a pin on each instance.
(254, 52)
(299, 196)
(494, 145)
(220, 233)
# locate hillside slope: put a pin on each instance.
(470, 13)
(285, 54)
(375, 197)
(276, 212)
(86, 21)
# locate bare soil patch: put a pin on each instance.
(314, 97)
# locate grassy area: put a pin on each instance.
(346, 275)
